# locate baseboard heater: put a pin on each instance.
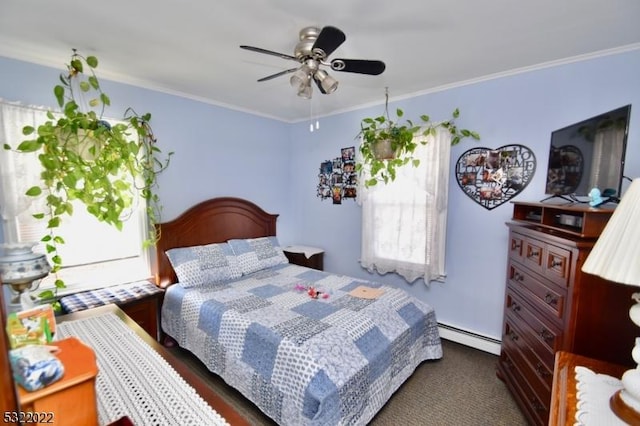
(468, 338)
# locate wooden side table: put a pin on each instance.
(563, 394)
(311, 257)
(72, 399)
(146, 312)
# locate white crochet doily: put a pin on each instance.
(306, 250)
(134, 380)
(593, 394)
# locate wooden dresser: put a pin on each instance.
(551, 305)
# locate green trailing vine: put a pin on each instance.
(85, 158)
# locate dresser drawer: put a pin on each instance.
(557, 264)
(546, 297)
(545, 337)
(516, 246)
(548, 260)
(518, 335)
(536, 406)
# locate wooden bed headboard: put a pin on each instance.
(212, 221)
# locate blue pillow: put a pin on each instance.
(201, 265)
(254, 254)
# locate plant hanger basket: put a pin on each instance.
(390, 143)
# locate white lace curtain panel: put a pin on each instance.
(404, 222)
(18, 172)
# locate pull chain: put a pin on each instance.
(386, 102)
(311, 118)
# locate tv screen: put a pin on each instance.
(589, 154)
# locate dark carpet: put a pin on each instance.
(460, 389)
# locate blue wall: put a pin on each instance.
(518, 109)
(218, 152)
(221, 152)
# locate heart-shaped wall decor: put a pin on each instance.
(493, 176)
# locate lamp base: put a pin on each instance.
(624, 411)
(17, 289)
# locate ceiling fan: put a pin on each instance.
(312, 51)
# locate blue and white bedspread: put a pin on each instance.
(304, 361)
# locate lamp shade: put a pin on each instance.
(616, 254)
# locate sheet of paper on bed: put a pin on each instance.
(365, 292)
(306, 250)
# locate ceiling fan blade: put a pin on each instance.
(268, 52)
(278, 74)
(329, 39)
(360, 66)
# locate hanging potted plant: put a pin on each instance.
(390, 143)
(87, 159)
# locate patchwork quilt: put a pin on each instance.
(307, 347)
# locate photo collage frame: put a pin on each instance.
(338, 178)
(493, 176)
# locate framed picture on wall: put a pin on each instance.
(338, 178)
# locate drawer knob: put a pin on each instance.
(534, 253)
(537, 405)
(546, 335)
(542, 372)
(515, 307)
(513, 336)
(509, 363)
(517, 276)
(517, 245)
(556, 262)
(551, 299)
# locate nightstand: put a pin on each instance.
(145, 312)
(311, 257)
(141, 301)
(72, 399)
(564, 393)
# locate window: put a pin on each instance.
(404, 221)
(95, 254)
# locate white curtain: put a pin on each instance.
(607, 152)
(404, 221)
(18, 171)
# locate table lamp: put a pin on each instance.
(616, 257)
(22, 270)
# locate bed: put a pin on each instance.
(305, 346)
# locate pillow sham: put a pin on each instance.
(206, 264)
(254, 254)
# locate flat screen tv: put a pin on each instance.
(588, 154)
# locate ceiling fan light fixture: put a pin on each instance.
(305, 91)
(300, 78)
(312, 51)
(326, 82)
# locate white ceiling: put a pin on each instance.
(190, 47)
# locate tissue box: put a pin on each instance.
(35, 367)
